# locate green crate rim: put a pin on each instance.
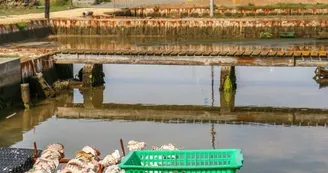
(237, 157)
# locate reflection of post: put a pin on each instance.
(227, 101)
(213, 136)
(212, 75)
(93, 97)
(228, 88)
(228, 78)
(291, 118)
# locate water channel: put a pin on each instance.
(267, 147)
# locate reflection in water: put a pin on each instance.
(179, 114)
(213, 133)
(265, 148)
(159, 43)
(177, 85)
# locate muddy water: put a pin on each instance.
(267, 148)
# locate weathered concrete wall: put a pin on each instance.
(83, 3)
(33, 29)
(227, 12)
(194, 28)
(10, 79)
(41, 64)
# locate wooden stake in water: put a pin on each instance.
(122, 147)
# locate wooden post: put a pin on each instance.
(228, 72)
(25, 94)
(47, 9)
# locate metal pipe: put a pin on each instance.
(211, 8)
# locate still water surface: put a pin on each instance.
(267, 148)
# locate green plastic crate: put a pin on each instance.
(183, 161)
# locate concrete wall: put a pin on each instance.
(34, 29)
(193, 28)
(83, 3)
(204, 12)
(10, 79)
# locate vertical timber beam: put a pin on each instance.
(228, 78)
(47, 9)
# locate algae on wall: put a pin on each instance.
(202, 28)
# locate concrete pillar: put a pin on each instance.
(93, 75)
(227, 101)
(228, 79)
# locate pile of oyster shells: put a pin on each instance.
(86, 160)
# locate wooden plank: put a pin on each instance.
(289, 54)
(314, 53)
(231, 53)
(247, 53)
(264, 53)
(215, 53)
(102, 52)
(281, 53)
(142, 52)
(323, 54)
(166, 53)
(174, 53)
(305, 54)
(239, 53)
(117, 52)
(126, 52)
(207, 53)
(135, 52)
(182, 53)
(256, 53)
(223, 53)
(150, 53)
(199, 53)
(272, 53)
(159, 53)
(191, 53)
(297, 53)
